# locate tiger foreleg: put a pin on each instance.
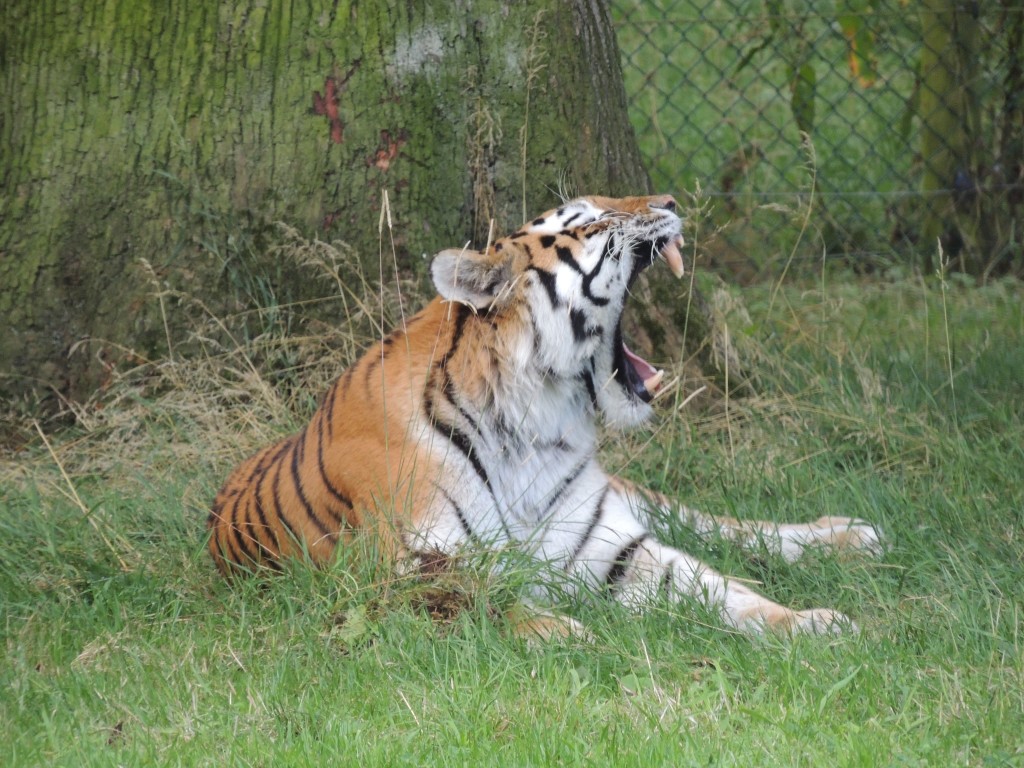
(840, 534)
(788, 540)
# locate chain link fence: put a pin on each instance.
(862, 130)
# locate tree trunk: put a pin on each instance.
(150, 148)
(155, 144)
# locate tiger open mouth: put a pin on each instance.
(634, 374)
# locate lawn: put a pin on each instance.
(895, 400)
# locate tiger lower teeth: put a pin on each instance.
(652, 383)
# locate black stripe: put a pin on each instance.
(645, 253)
(594, 519)
(578, 320)
(233, 546)
(339, 520)
(565, 484)
(372, 363)
(547, 279)
(297, 480)
(546, 241)
(265, 556)
(610, 243)
(622, 560)
(257, 492)
(600, 301)
(461, 441)
(505, 430)
(257, 470)
(588, 382)
(565, 255)
(461, 515)
(275, 489)
(461, 316)
(262, 515)
(228, 551)
(226, 547)
(499, 281)
(668, 580)
(327, 406)
(340, 497)
(572, 218)
(589, 277)
(448, 390)
(535, 327)
(620, 374)
(214, 516)
(373, 360)
(346, 379)
(388, 341)
(441, 367)
(240, 536)
(268, 460)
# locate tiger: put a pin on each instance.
(474, 427)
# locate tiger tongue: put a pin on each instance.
(646, 372)
(674, 259)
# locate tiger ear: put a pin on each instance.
(470, 277)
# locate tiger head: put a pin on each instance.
(561, 282)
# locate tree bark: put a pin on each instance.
(153, 146)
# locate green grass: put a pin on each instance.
(899, 402)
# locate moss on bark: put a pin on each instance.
(153, 145)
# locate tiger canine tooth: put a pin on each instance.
(653, 382)
(673, 257)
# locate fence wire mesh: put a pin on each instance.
(866, 130)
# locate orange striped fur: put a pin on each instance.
(474, 425)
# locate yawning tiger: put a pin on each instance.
(474, 427)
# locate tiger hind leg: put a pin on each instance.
(539, 625)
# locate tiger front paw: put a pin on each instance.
(823, 621)
(542, 626)
(843, 535)
(775, 619)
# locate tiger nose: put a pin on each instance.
(664, 202)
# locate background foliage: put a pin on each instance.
(914, 113)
